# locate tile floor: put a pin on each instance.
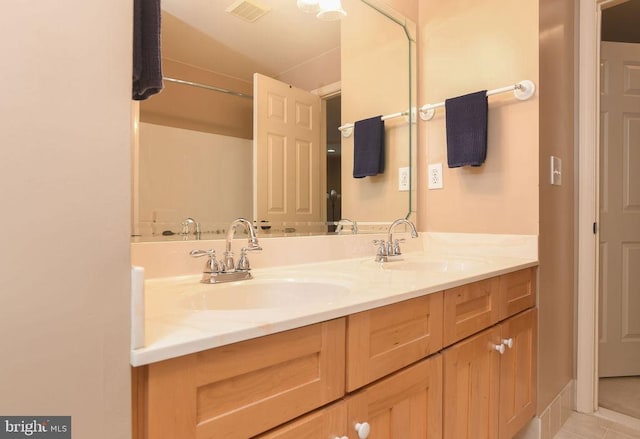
(581, 426)
(620, 394)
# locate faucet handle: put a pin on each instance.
(396, 246)
(201, 253)
(212, 265)
(381, 253)
(243, 262)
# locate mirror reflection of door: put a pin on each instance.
(334, 161)
(288, 158)
(205, 44)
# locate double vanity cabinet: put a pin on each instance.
(458, 363)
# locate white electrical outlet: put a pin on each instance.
(403, 179)
(435, 176)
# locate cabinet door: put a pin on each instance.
(517, 292)
(383, 340)
(518, 373)
(244, 389)
(326, 423)
(472, 386)
(470, 308)
(406, 405)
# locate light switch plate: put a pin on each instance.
(556, 171)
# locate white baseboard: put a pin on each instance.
(553, 417)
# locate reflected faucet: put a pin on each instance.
(341, 223)
(185, 227)
(243, 262)
(392, 247)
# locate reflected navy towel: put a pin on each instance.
(147, 60)
(368, 148)
(467, 129)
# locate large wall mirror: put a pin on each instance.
(196, 148)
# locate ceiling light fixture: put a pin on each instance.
(330, 10)
(309, 6)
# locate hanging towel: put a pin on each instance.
(467, 129)
(147, 61)
(368, 148)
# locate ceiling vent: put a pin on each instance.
(248, 10)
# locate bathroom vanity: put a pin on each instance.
(449, 350)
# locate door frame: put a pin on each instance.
(588, 203)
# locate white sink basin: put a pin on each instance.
(266, 293)
(437, 265)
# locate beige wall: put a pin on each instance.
(408, 8)
(192, 108)
(375, 81)
(557, 222)
(465, 46)
(64, 173)
(184, 173)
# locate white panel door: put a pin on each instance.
(619, 287)
(288, 156)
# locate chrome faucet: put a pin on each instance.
(343, 221)
(225, 270)
(393, 244)
(185, 227)
(392, 247)
(243, 262)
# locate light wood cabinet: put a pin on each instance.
(472, 386)
(389, 367)
(406, 405)
(517, 292)
(325, 423)
(243, 389)
(490, 387)
(383, 340)
(518, 375)
(470, 308)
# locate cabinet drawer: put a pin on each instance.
(244, 389)
(329, 422)
(383, 340)
(517, 291)
(470, 308)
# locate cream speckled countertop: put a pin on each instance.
(183, 316)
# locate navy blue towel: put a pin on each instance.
(368, 148)
(147, 60)
(467, 129)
